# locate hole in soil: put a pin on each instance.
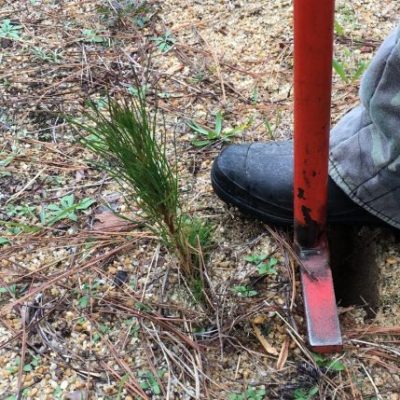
(354, 267)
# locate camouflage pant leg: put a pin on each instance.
(365, 144)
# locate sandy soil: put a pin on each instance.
(67, 330)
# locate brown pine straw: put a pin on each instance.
(99, 259)
(372, 330)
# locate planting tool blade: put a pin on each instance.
(313, 48)
(323, 327)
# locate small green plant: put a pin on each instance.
(13, 366)
(122, 11)
(102, 329)
(14, 290)
(29, 367)
(272, 127)
(8, 30)
(91, 36)
(66, 209)
(199, 76)
(351, 70)
(136, 92)
(49, 56)
(100, 102)
(7, 157)
(58, 393)
(4, 241)
(149, 382)
(249, 394)
(263, 268)
(15, 228)
(207, 136)
(121, 384)
(254, 96)
(305, 394)
(244, 291)
(328, 364)
(20, 211)
(345, 15)
(84, 301)
(165, 42)
(135, 154)
(339, 30)
(85, 292)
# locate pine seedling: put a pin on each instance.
(132, 152)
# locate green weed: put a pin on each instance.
(339, 29)
(328, 364)
(263, 268)
(7, 157)
(272, 127)
(349, 68)
(4, 241)
(29, 367)
(149, 382)
(305, 394)
(136, 92)
(121, 11)
(14, 290)
(8, 30)
(121, 384)
(249, 394)
(66, 209)
(58, 393)
(20, 211)
(244, 291)
(92, 36)
(206, 136)
(165, 42)
(54, 56)
(15, 228)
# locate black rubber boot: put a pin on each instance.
(258, 179)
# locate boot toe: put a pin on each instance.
(257, 178)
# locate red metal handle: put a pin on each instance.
(313, 47)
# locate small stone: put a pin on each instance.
(121, 277)
(64, 385)
(259, 319)
(112, 270)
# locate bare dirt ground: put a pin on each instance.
(70, 329)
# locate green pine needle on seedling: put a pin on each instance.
(133, 152)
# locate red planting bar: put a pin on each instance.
(313, 46)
